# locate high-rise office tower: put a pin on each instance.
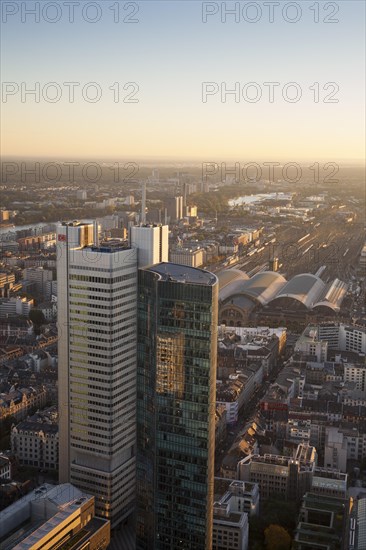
(152, 243)
(175, 208)
(97, 297)
(176, 378)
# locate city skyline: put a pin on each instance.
(183, 275)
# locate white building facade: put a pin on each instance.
(97, 293)
(357, 374)
(151, 242)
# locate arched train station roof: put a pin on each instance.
(268, 287)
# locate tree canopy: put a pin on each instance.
(277, 538)
(37, 317)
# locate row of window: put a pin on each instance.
(102, 269)
(90, 307)
(89, 298)
(102, 280)
(127, 360)
(88, 315)
(117, 336)
(107, 347)
(91, 322)
(93, 290)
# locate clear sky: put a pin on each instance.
(169, 53)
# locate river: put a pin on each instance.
(260, 197)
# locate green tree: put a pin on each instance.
(280, 512)
(277, 538)
(38, 319)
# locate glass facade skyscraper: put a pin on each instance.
(176, 376)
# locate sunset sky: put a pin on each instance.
(169, 53)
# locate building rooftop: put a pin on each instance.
(60, 502)
(75, 223)
(183, 274)
(224, 488)
(335, 478)
(324, 502)
(109, 248)
(34, 426)
(262, 287)
(306, 288)
(268, 286)
(223, 515)
(227, 276)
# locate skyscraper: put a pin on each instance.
(97, 296)
(176, 376)
(152, 243)
(175, 208)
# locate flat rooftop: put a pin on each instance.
(108, 248)
(32, 528)
(330, 473)
(75, 223)
(324, 503)
(183, 274)
(230, 517)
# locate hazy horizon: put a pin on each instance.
(169, 52)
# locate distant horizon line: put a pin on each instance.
(177, 159)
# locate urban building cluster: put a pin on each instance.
(173, 394)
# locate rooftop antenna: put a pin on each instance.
(96, 233)
(143, 203)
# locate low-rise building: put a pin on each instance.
(53, 517)
(253, 345)
(335, 450)
(244, 496)
(5, 468)
(37, 241)
(49, 310)
(4, 215)
(238, 389)
(36, 443)
(7, 282)
(220, 427)
(234, 501)
(245, 445)
(38, 275)
(298, 430)
(188, 256)
(287, 476)
(15, 306)
(329, 482)
(356, 373)
(39, 360)
(230, 529)
(323, 524)
(309, 344)
(19, 402)
(344, 442)
(340, 336)
(50, 290)
(9, 352)
(230, 395)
